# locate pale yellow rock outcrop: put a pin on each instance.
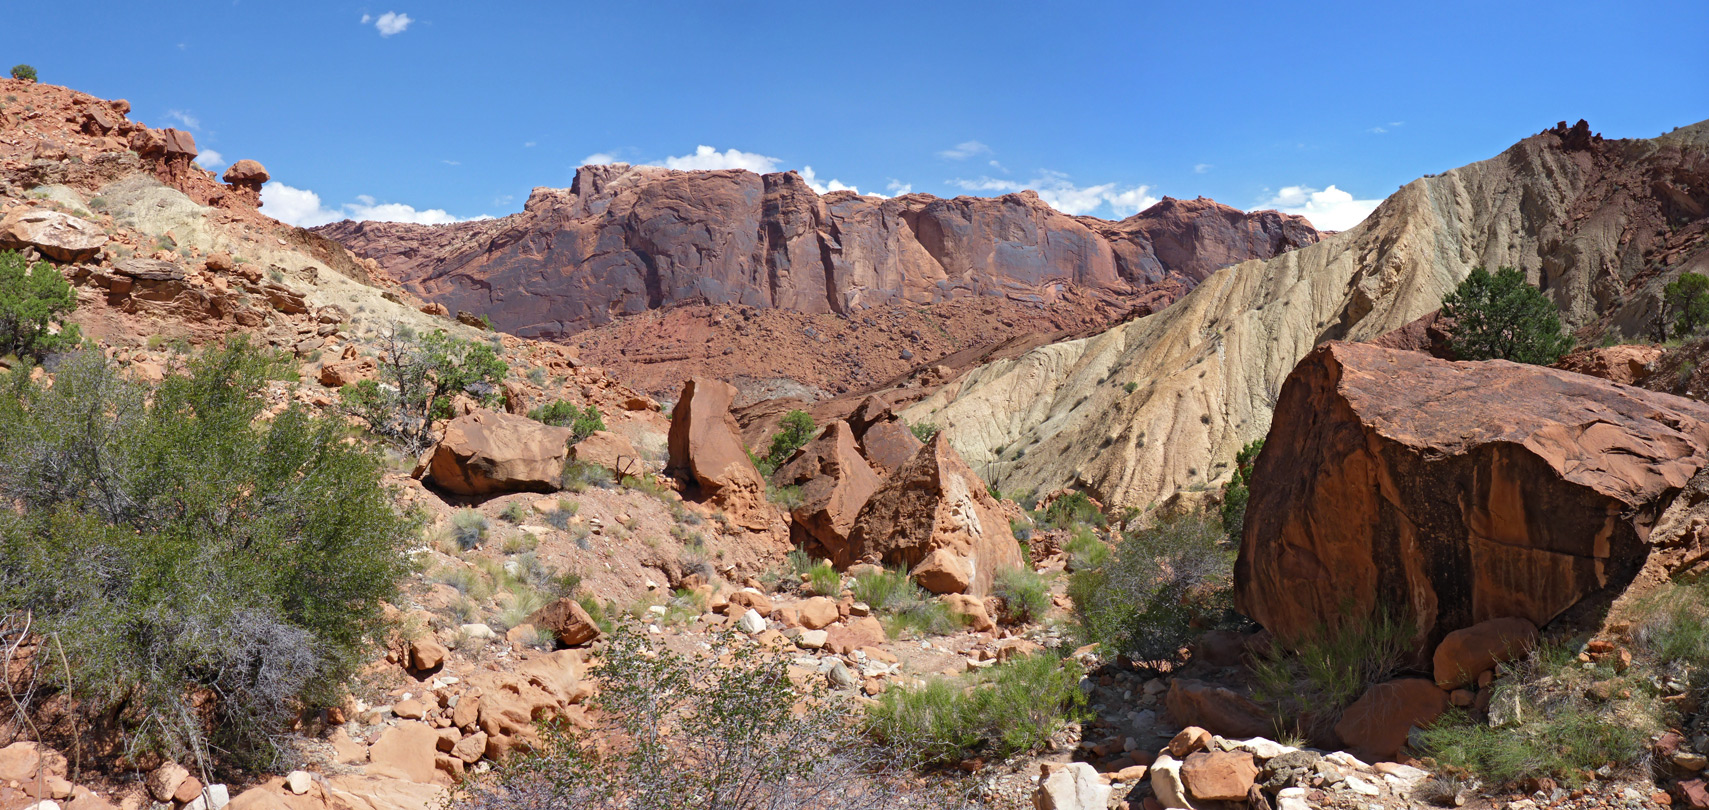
(1207, 370)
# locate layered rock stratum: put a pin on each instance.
(626, 240)
(1161, 404)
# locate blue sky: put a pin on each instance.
(429, 111)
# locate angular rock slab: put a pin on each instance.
(1449, 493)
(58, 236)
(487, 451)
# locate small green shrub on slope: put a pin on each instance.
(1500, 316)
(32, 297)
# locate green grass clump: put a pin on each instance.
(1009, 709)
(469, 528)
(786, 497)
(1312, 680)
(1085, 549)
(1071, 510)
(514, 512)
(1566, 744)
(579, 475)
(902, 605)
(824, 580)
(1025, 594)
(519, 543)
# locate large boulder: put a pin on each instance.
(487, 451)
(1467, 652)
(1375, 727)
(247, 173)
(935, 517)
(56, 235)
(613, 451)
(1075, 786)
(706, 448)
(1449, 493)
(835, 483)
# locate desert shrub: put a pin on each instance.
(559, 519)
(796, 430)
(786, 497)
(1131, 387)
(521, 543)
(1157, 587)
(824, 580)
(469, 528)
(682, 731)
(1503, 317)
(924, 431)
(1073, 509)
(582, 422)
(537, 376)
(1085, 549)
(1686, 300)
(419, 373)
(208, 573)
(1311, 680)
(1672, 634)
(579, 475)
(799, 562)
(1009, 709)
(519, 604)
(32, 298)
(24, 73)
(514, 512)
(1025, 594)
(1022, 529)
(1237, 491)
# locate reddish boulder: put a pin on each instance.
(1468, 652)
(706, 449)
(487, 451)
(1216, 709)
(58, 236)
(179, 145)
(1219, 776)
(247, 173)
(1627, 365)
(935, 517)
(835, 483)
(1375, 727)
(566, 619)
(407, 751)
(1449, 493)
(612, 451)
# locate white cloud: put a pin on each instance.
(595, 159)
(898, 188)
(452, 162)
(189, 121)
(390, 23)
(1060, 193)
(824, 188)
(303, 208)
(706, 158)
(1201, 168)
(1330, 209)
(527, 144)
(209, 159)
(1382, 128)
(964, 150)
(999, 167)
(367, 18)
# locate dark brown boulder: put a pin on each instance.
(1449, 493)
(247, 172)
(835, 483)
(1376, 726)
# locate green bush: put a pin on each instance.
(514, 512)
(579, 475)
(24, 72)
(582, 422)
(720, 729)
(208, 573)
(1687, 299)
(924, 431)
(1009, 709)
(824, 580)
(786, 497)
(32, 297)
(797, 430)
(1237, 492)
(1310, 681)
(1160, 585)
(1085, 549)
(1673, 633)
(1025, 594)
(419, 374)
(1073, 509)
(1502, 317)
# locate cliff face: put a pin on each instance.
(1600, 225)
(626, 239)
